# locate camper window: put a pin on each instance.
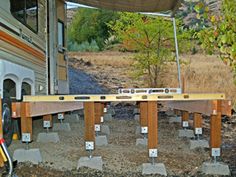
(26, 11)
(61, 42)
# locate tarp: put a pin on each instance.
(132, 5)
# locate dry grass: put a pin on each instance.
(203, 74)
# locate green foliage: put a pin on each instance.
(151, 37)
(89, 25)
(221, 36)
(83, 47)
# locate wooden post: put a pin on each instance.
(185, 118)
(89, 118)
(26, 120)
(48, 118)
(98, 114)
(1, 131)
(144, 116)
(215, 132)
(152, 128)
(197, 123)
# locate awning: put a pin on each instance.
(132, 5)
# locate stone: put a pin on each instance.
(111, 111)
(28, 155)
(61, 127)
(72, 118)
(138, 130)
(107, 117)
(137, 117)
(93, 163)
(105, 129)
(51, 137)
(175, 119)
(157, 168)
(141, 141)
(199, 144)
(136, 111)
(217, 168)
(186, 133)
(101, 141)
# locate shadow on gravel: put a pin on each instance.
(82, 83)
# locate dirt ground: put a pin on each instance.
(122, 157)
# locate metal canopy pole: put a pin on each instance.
(177, 53)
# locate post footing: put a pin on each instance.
(215, 168)
(107, 117)
(51, 137)
(93, 163)
(141, 142)
(105, 129)
(157, 168)
(61, 127)
(28, 155)
(101, 141)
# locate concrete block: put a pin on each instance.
(101, 141)
(105, 129)
(138, 130)
(141, 142)
(48, 137)
(157, 168)
(94, 163)
(137, 117)
(175, 119)
(215, 168)
(61, 127)
(72, 118)
(111, 111)
(199, 144)
(107, 117)
(186, 133)
(30, 155)
(136, 111)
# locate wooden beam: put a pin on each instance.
(201, 106)
(48, 118)
(197, 120)
(185, 119)
(42, 108)
(215, 126)
(98, 112)
(89, 120)
(152, 125)
(26, 120)
(143, 113)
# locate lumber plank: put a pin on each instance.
(26, 119)
(48, 118)
(201, 106)
(143, 113)
(98, 112)
(1, 131)
(42, 108)
(152, 125)
(89, 121)
(197, 120)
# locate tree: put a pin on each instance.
(221, 36)
(151, 37)
(89, 25)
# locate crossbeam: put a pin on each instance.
(123, 97)
(205, 107)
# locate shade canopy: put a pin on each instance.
(132, 5)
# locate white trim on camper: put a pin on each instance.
(18, 74)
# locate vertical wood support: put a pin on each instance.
(98, 114)
(185, 118)
(89, 120)
(215, 132)
(144, 116)
(197, 123)
(1, 132)
(152, 128)
(48, 118)
(26, 120)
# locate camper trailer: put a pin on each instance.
(33, 58)
(33, 48)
